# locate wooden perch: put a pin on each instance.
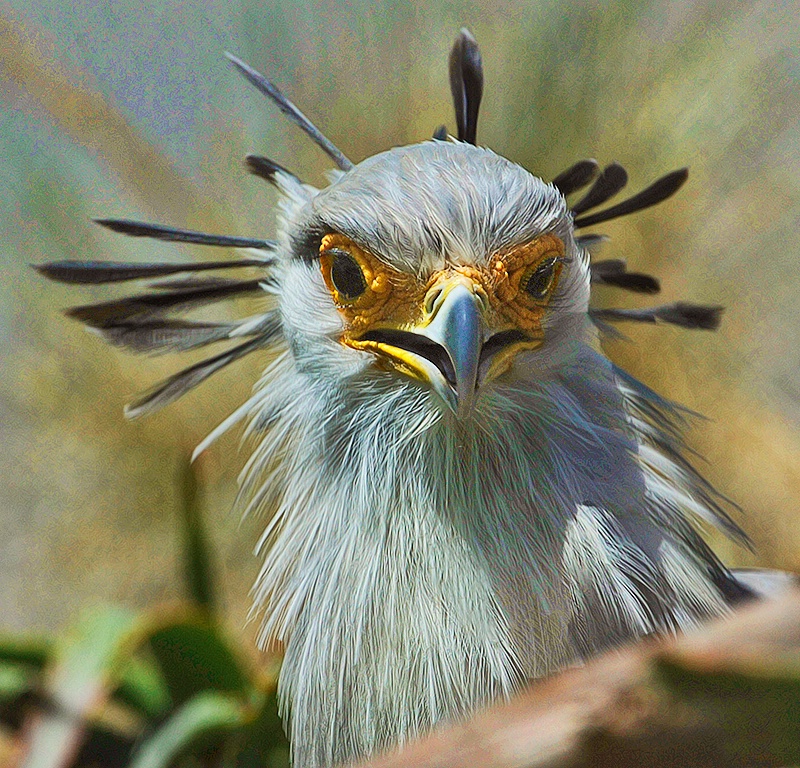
(725, 695)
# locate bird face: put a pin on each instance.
(421, 266)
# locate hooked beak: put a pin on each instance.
(447, 347)
(456, 325)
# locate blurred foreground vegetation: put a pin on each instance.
(164, 687)
(169, 688)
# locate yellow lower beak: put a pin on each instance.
(444, 349)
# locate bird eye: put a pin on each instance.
(346, 275)
(540, 280)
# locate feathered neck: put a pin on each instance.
(416, 569)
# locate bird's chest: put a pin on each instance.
(413, 619)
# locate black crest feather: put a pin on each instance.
(576, 176)
(266, 169)
(614, 272)
(97, 272)
(180, 383)
(156, 304)
(658, 191)
(158, 336)
(607, 267)
(636, 282)
(171, 234)
(191, 283)
(291, 111)
(466, 84)
(612, 179)
(683, 314)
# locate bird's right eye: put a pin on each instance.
(346, 275)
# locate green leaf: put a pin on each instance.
(25, 650)
(14, 681)
(203, 720)
(143, 688)
(194, 656)
(87, 664)
(264, 743)
(198, 571)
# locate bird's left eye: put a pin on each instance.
(346, 275)
(540, 280)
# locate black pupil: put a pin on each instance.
(539, 281)
(346, 275)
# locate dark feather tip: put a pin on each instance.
(612, 179)
(466, 84)
(440, 134)
(707, 318)
(266, 169)
(172, 234)
(636, 282)
(657, 192)
(607, 267)
(576, 176)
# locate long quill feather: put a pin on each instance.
(268, 88)
(466, 84)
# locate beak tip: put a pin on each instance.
(458, 327)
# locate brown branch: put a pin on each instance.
(725, 695)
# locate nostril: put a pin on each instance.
(431, 299)
(482, 297)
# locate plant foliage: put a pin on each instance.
(163, 688)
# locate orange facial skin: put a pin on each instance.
(390, 296)
(510, 270)
(395, 299)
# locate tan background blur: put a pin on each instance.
(111, 111)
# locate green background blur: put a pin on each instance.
(109, 110)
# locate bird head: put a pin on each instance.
(439, 265)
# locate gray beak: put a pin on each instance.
(455, 323)
(451, 348)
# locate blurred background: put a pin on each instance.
(112, 110)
